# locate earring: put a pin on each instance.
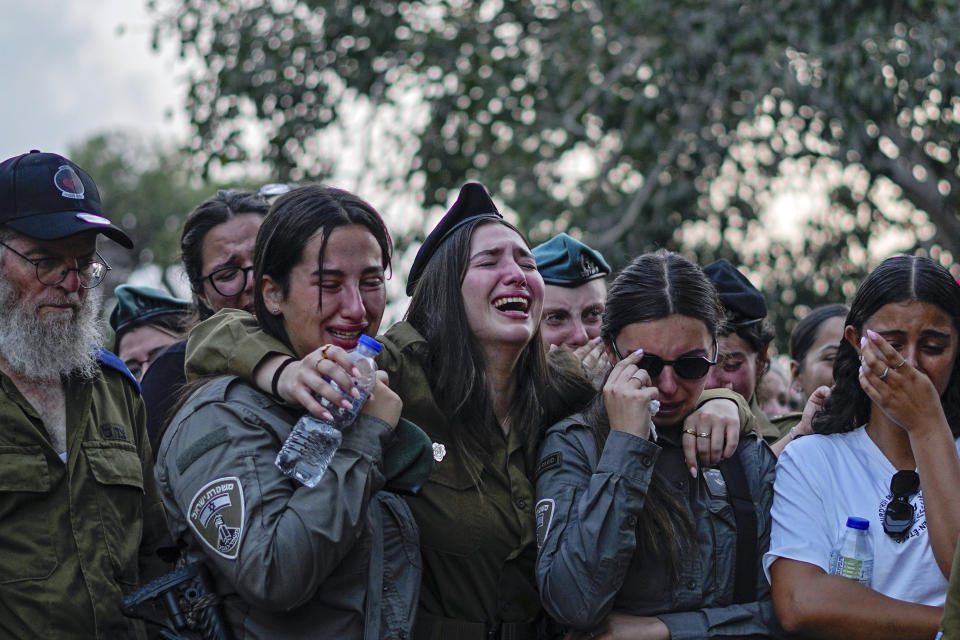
(275, 311)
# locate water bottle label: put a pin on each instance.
(850, 568)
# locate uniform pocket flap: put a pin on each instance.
(114, 463)
(451, 475)
(24, 469)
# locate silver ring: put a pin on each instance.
(902, 362)
(884, 374)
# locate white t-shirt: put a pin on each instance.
(821, 481)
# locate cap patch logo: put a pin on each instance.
(588, 267)
(216, 514)
(69, 183)
(92, 218)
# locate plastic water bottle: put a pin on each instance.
(308, 449)
(853, 557)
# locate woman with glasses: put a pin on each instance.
(216, 247)
(884, 450)
(631, 543)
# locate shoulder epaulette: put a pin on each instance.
(110, 360)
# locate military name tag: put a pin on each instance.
(216, 515)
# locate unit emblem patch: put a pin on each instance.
(216, 515)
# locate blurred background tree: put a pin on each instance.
(148, 189)
(803, 140)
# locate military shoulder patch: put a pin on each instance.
(216, 515)
(551, 461)
(544, 515)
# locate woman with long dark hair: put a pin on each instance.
(290, 561)
(470, 367)
(884, 450)
(629, 544)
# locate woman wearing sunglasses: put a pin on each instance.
(631, 544)
(884, 450)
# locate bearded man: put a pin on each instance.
(80, 516)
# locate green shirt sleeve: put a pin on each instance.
(229, 342)
(748, 422)
(950, 625)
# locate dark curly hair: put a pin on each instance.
(897, 279)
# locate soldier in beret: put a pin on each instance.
(574, 293)
(744, 340)
(145, 321)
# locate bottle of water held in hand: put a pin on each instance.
(308, 449)
(853, 558)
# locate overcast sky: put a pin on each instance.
(68, 72)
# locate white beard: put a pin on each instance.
(46, 348)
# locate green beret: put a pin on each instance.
(473, 203)
(741, 299)
(137, 305)
(567, 262)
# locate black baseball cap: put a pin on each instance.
(45, 196)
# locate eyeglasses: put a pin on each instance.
(53, 271)
(229, 281)
(898, 516)
(686, 367)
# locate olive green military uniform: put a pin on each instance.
(478, 551)
(785, 422)
(950, 625)
(75, 537)
(767, 429)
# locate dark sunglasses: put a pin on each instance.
(898, 516)
(686, 367)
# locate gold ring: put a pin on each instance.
(883, 375)
(703, 435)
(690, 431)
(902, 362)
(324, 349)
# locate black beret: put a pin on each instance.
(473, 203)
(567, 262)
(136, 305)
(740, 298)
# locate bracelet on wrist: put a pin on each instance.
(276, 376)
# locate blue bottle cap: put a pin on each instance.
(858, 523)
(370, 343)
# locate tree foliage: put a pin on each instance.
(147, 190)
(639, 123)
